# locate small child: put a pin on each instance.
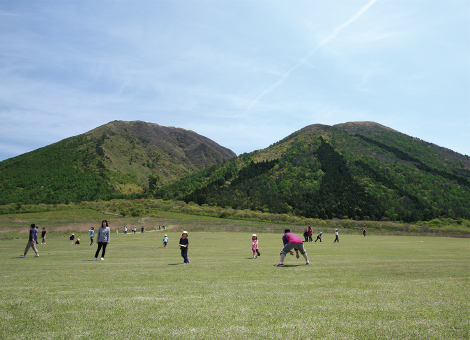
(254, 247)
(306, 235)
(184, 243)
(77, 241)
(165, 240)
(72, 238)
(336, 236)
(319, 236)
(91, 233)
(43, 235)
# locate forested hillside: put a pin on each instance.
(116, 160)
(359, 170)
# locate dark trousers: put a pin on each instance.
(184, 254)
(318, 238)
(310, 238)
(336, 239)
(101, 244)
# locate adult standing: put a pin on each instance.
(336, 234)
(33, 235)
(104, 234)
(310, 233)
(292, 241)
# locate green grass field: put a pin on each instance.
(374, 287)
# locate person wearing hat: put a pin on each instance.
(319, 236)
(254, 246)
(165, 240)
(184, 243)
(336, 238)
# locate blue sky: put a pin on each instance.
(243, 73)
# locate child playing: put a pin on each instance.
(254, 247)
(165, 240)
(43, 235)
(91, 233)
(72, 238)
(77, 241)
(319, 236)
(184, 243)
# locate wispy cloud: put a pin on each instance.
(322, 43)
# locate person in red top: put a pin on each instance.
(310, 233)
(292, 241)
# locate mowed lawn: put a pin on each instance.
(373, 287)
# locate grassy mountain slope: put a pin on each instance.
(116, 159)
(358, 170)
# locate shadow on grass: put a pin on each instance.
(290, 265)
(175, 264)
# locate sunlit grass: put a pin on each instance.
(386, 287)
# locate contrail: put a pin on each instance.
(325, 41)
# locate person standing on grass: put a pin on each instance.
(254, 246)
(72, 237)
(104, 234)
(165, 240)
(364, 231)
(91, 233)
(43, 236)
(336, 234)
(184, 243)
(319, 236)
(292, 241)
(33, 235)
(310, 233)
(306, 235)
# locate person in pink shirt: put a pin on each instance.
(254, 246)
(292, 241)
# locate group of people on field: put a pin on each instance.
(291, 242)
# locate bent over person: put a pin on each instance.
(292, 241)
(104, 234)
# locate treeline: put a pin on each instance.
(335, 175)
(152, 208)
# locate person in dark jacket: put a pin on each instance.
(184, 243)
(33, 235)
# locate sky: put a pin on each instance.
(245, 74)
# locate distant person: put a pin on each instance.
(72, 237)
(319, 236)
(91, 233)
(125, 230)
(142, 230)
(336, 234)
(364, 231)
(254, 246)
(184, 243)
(292, 241)
(310, 233)
(31, 243)
(165, 240)
(77, 241)
(43, 236)
(134, 230)
(104, 234)
(306, 235)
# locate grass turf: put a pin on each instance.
(387, 287)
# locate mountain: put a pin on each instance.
(116, 159)
(355, 170)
